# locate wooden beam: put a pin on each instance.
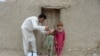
(53, 7)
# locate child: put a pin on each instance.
(59, 38)
(49, 42)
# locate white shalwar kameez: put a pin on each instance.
(29, 25)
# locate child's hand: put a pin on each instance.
(47, 32)
(51, 31)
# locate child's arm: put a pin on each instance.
(64, 36)
(51, 31)
(55, 37)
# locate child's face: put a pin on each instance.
(60, 27)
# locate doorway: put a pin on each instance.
(53, 17)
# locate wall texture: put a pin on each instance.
(81, 22)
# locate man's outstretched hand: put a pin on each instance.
(47, 32)
(50, 31)
(46, 28)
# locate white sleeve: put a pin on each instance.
(37, 26)
(42, 30)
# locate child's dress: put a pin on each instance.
(59, 38)
(49, 41)
(49, 44)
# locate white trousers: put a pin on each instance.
(28, 37)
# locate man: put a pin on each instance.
(29, 25)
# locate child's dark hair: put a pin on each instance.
(42, 16)
(59, 24)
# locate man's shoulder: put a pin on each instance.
(32, 17)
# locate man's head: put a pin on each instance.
(42, 17)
